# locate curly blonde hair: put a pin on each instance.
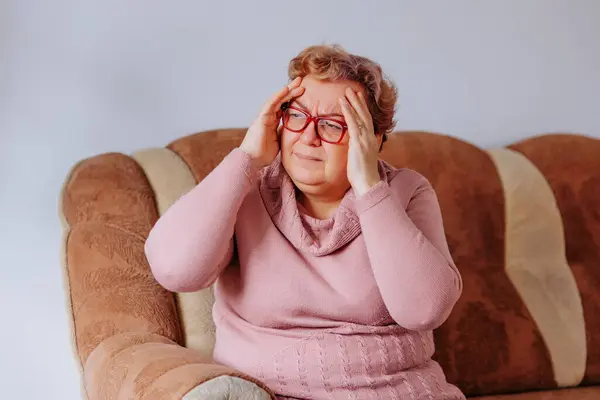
(333, 63)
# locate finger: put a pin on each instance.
(365, 107)
(297, 92)
(274, 105)
(295, 83)
(358, 103)
(276, 100)
(292, 94)
(351, 118)
(360, 125)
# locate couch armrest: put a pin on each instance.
(149, 366)
(126, 330)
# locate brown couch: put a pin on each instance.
(522, 222)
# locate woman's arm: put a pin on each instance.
(409, 255)
(191, 244)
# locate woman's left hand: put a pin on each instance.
(363, 171)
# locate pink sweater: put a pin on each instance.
(341, 308)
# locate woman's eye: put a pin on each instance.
(333, 125)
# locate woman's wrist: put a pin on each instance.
(365, 185)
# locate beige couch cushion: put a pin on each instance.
(170, 178)
(536, 264)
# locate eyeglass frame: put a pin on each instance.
(309, 119)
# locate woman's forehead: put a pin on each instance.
(324, 95)
(322, 107)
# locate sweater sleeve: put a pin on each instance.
(191, 244)
(409, 255)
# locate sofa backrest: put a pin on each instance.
(523, 226)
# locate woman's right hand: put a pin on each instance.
(261, 141)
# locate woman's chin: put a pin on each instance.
(306, 177)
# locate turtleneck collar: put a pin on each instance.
(318, 237)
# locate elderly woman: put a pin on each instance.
(344, 269)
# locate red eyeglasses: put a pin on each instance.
(328, 129)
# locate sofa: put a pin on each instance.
(522, 222)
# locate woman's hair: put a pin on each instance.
(333, 63)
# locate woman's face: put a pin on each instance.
(317, 167)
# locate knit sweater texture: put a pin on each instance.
(340, 308)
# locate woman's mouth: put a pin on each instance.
(306, 157)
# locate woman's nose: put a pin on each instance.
(309, 135)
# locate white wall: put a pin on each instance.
(79, 78)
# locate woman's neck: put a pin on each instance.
(319, 207)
